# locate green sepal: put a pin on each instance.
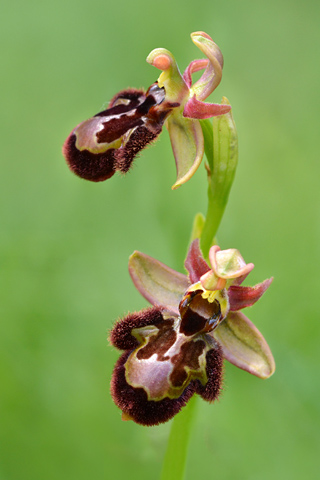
(244, 346)
(197, 227)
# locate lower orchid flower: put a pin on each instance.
(176, 348)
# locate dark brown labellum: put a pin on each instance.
(110, 140)
(134, 401)
(162, 368)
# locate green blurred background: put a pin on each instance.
(65, 242)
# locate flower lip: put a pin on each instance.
(162, 367)
(110, 140)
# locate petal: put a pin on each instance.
(241, 297)
(156, 282)
(193, 67)
(187, 144)
(195, 109)
(244, 346)
(195, 263)
(211, 77)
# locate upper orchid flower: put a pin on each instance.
(176, 348)
(109, 141)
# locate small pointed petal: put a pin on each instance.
(193, 67)
(156, 282)
(244, 346)
(195, 109)
(242, 297)
(195, 263)
(212, 75)
(187, 144)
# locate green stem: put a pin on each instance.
(221, 149)
(214, 210)
(175, 457)
(214, 215)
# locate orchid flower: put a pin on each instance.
(109, 141)
(176, 348)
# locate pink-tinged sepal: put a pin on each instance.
(158, 283)
(196, 109)
(244, 346)
(195, 263)
(242, 297)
